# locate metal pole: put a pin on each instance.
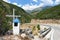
(13, 14)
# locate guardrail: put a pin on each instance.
(46, 32)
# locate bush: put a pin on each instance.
(38, 26)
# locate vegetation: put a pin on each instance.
(3, 22)
(7, 9)
(33, 29)
(50, 13)
(45, 28)
(38, 26)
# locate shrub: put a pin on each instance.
(38, 26)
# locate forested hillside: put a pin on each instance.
(7, 9)
(50, 13)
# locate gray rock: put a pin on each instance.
(1, 38)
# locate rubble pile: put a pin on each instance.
(13, 37)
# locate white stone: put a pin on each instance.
(36, 38)
(23, 35)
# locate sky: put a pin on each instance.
(32, 4)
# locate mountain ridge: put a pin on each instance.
(50, 13)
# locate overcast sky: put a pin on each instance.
(32, 4)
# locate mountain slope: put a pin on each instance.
(50, 13)
(39, 9)
(25, 17)
(7, 9)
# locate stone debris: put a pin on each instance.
(12, 37)
(23, 35)
(1, 38)
(19, 37)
